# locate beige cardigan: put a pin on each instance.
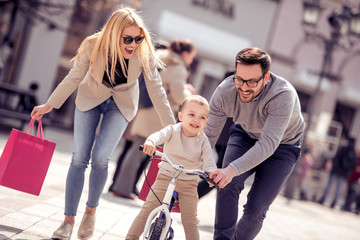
(126, 96)
(174, 79)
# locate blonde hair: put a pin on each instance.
(196, 99)
(106, 45)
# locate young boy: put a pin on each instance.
(185, 144)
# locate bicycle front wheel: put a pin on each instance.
(157, 229)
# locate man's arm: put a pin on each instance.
(280, 111)
(279, 115)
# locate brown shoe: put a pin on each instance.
(87, 226)
(63, 232)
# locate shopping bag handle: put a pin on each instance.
(40, 132)
(31, 124)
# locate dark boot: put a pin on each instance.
(321, 200)
(303, 196)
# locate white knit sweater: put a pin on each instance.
(191, 152)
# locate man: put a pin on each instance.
(264, 140)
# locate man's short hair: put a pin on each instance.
(253, 55)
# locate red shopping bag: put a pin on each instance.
(151, 177)
(25, 160)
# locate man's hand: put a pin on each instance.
(223, 176)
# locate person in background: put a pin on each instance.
(265, 141)
(105, 73)
(353, 191)
(185, 144)
(306, 163)
(177, 58)
(298, 176)
(343, 164)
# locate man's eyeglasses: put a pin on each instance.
(251, 83)
(129, 39)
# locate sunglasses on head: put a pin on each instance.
(129, 39)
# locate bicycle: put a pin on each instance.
(160, 228)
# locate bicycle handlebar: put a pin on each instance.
(202, 174)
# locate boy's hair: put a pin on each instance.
(196, 99)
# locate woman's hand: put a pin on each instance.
(40, 110)
(149, 148)
(223, 176)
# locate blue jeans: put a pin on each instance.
(111, 129)
(339, 182)
(270, 177)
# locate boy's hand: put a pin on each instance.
(212, 175)
(149, 148)
(223, 176)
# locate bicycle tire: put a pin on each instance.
(157, 229)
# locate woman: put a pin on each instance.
(105, 72)
(177, 58)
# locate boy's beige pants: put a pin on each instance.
(188, 198)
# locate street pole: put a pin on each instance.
(326, 65)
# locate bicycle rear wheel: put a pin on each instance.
(157, 229)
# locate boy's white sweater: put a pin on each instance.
(191, 152)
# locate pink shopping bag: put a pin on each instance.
(25, 160)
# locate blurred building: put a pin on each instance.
(335, 103)
(219, 29)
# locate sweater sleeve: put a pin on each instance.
(161, 136)
(279, 114)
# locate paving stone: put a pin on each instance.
(19, 220)
(41, 210)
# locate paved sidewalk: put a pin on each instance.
(24, 216)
